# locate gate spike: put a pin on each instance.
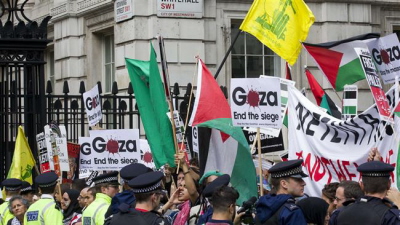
(176, 89)
(49, 87)
(82, 87)
(114, 89)
(100, 89)
(130, 89)
(65, 87)
(188, 89)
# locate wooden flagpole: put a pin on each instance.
(259, 161)
(166, 89)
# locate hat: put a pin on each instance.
(107, 178)
(208, 174)
(12, 184)
(222, 180)
(26, 187)
(375, 169)
(147, 182)
(133, 170)
(46, 179)
(291, 168)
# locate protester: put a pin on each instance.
(187, 192)
(279, 206)
(70, 205)
(347, 192)
(91, 196)
(45, 211)
(394, 196)
(107, 186)
(147, 189)
(224, 206)
(63, 187)
(82, 201)
(315, 210)
(372, 208)
(27, 191)
(12, 188)
(18, 207)
(78, 184)
(328, 194)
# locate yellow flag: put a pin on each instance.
(23, 161)
(281, 25)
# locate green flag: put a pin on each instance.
(153, 107)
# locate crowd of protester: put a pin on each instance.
(139, 195)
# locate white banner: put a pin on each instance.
(110, 149)
(93, 105)
(84, 157)
(195, 139)
(256, 102)
(386, 54)
(56, 142)
(332, 149)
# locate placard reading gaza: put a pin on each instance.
(110, 149)
(256, 102)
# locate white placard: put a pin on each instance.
(195, 139)
(256, 102)
(84, 157)
(180, 8)
(146, 157)
(385, 52)
(93, 105)
(123, 10)
(110, 149)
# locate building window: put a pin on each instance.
(109, 61)
(251, 58)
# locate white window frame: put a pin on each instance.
(108, 87)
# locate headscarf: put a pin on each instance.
(74, 205)
(314, 209)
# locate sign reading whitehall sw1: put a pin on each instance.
(180, 8)
(256, 102)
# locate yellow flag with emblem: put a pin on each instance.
(281, 25)
(23, 161)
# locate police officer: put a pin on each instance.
(279, 206)
(45, 211)
(27, 191)
(12, 187)
(126, 198)
(107, 186)
(373, 208)
(147, 189)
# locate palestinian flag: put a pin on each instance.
(323, 100)
(226, 148)
(339, 61)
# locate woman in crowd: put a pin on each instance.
(18, 207)
(70, 205)
(315, 210)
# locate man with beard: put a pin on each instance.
(279, 206)
(147, 190)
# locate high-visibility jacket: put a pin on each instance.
(44, 212)
(5, 213)
(94, 214)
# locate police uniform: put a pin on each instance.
(126, 197)
(94, 214)
(281, 209)
(44, 211)
(145, 183)
(368, 209)
(11, 184)
(26, 188)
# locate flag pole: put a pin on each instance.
(227, 54)
(259, 161)
(190, 103)
(166, 87)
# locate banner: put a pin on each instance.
(56, 143)
(332, 149)
(386, 55)
(93, 105)
(374, 83)
(84, 157)
(256, 102)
